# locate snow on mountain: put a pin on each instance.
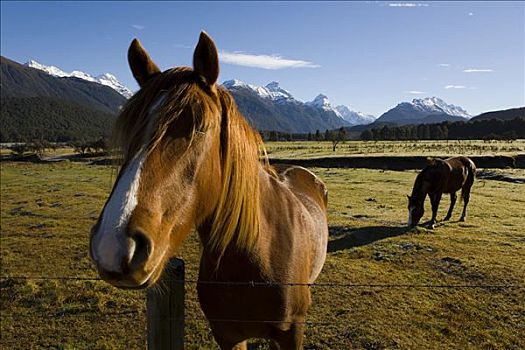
(51, 70)
(430, 109)
(112, 81)
(278, 93)
(322, 102)
(271, 91)
(437, 105)
(104, 79)
(354, 118)
(275, 92)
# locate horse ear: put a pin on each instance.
(142, 66)
(430, 160)
(206, 59)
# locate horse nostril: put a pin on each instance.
(141, 249)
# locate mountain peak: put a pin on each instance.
(271, 91)
(354, 118)
(107, 79)
(437, 105)
(273, 85)
(234, 83)
(51, 70)
(321, 101)
(424, 110)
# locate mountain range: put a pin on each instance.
(77, 101)
(21, 81)
(38, 105)
(107, 79)
(283, 111)
(423, 111)
(271, 107)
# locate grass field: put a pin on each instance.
(48, 209)
(312, 149)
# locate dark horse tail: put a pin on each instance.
(471, 176)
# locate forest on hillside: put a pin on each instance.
(481, 129)
(24, 119)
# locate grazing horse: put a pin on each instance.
(441, 176)
(190, 160)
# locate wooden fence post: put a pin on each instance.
(165, 309)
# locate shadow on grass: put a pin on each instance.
(356, 237)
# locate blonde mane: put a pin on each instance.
(236, 216)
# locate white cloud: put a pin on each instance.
(471, 13)
(455, 87)
(407, 4)
(138, 26)
(444, 65)
(415, 92)
(263, 61)
(182, 46)
(476, 70)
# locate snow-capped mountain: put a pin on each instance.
(322, 102)
(110, 80)
(271, 107)
(354, 118)
(104, 79)
(342, 111)
(426, 110)
(294, 109)
(437, 105)
(51, 70)
(271, 91)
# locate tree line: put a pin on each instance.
(483, 129)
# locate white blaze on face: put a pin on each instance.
(410, 215)
(111, 243)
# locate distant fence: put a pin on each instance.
(399, 162)
(165, 311)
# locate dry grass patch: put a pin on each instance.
(48, 209)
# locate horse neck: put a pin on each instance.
(420, 189)
(235, 218)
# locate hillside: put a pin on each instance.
(273, 108)
(21, 81)
(27, 118)
(506, 114)
(423, 111)
(107, 79)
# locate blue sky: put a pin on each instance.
(366, 55)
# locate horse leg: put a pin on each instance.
(465, 193)
(453, 198)
(291, 339)
(434, 200)
(225, 344)
(230, 346)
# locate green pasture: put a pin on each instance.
(47, 211)
(313, 149)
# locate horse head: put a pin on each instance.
(168, 136)
(416, 209)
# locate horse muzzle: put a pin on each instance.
(122, 260)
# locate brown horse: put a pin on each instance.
(190, 160)
(441, 176)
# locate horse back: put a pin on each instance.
(303, 183)
(311, 192)
(462, 173)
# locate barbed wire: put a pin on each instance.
(82, 313)
(168, 318)
(286, 284)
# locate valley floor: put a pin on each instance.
(424, 301)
